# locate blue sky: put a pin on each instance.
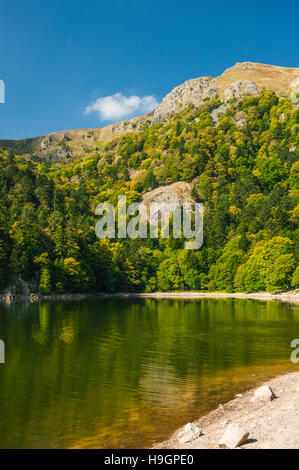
(59, 59)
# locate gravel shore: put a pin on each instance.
(291, 296)
(272, 424)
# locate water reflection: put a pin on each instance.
(126, 373)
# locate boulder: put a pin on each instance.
(189, 433)
(234, 436)
(263, 394)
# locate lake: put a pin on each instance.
(126, 373)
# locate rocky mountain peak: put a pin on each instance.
(245, 78)
(235, 82)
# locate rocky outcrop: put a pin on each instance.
(193, 91)
(217, 112)
(240, 89)
(167, 198)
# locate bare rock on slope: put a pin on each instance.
(240, 89)
(167, 198)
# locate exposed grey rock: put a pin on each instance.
(193, 91)
(197, 90)
(216, 113)
(167, 198)
(189, 433)
(234, 436)
(263, 394)
(240, 89)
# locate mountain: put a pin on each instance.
(242, 79)
(227, 143)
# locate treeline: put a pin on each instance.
(244, 169)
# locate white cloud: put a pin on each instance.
(118, 106)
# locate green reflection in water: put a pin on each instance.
(127, 373)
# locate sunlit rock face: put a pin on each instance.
(166, 199)
(193, 91)
(240, 89)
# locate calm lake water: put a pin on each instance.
(127, 373)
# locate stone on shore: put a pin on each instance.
(189, 433)
(234, 436)
(263, 394)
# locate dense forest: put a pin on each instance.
(244, 168)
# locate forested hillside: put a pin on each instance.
(244, 168)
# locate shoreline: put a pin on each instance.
(291, 296)
(271, 423)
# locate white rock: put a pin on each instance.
(234, 436)
(264, 393)
(298, 389)
(189, 433)
(239, 395)
(216, 113)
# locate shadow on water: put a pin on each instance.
(126, 373)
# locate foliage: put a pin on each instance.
(246, 176)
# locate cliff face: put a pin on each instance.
(246, 78)
(237, 81)
(167, 198)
